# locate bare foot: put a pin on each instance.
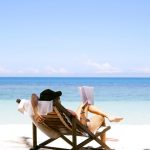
(115, 119)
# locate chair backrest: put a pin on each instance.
(65, 123)
(60, 121)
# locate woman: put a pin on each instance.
(93, 124)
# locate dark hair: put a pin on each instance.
(48, 95)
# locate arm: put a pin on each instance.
(34, 103)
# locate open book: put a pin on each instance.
(87, 95)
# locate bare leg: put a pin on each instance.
(95, 110)
(95, 123)
(82, 111)
(103, 136)
(84, 114)
(78, 111)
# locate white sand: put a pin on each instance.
(120, 137)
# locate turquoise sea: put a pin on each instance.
(127, 97)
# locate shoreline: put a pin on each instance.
(119, 137)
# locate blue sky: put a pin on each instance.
(75, 38)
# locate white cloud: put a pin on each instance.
(34, 71)
(144, 70)
(4, 70)
(51, 70)
(28, 71)
(94, 68)
(104, 68)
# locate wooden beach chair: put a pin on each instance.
(66, 123)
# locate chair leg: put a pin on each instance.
(74, 136)
(34, 134)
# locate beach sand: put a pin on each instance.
(120, 137)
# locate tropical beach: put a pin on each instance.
(63, 45)
(133, 133)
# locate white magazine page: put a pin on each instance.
(86, 93)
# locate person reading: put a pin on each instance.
(93, 124)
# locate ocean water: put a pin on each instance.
(126, 97)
